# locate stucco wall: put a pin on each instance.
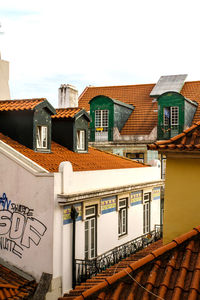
(4, 78)
(181, 206)
(26, 218)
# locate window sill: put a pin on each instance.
(122, 236)
(43, 150)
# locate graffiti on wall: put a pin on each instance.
(18, 227)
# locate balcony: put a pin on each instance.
(86, 269)
(166, 132)
(101, 134)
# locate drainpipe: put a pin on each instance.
(74, 215)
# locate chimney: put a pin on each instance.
(67, 96)
(4, 80)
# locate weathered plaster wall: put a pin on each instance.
(181, 207)
(26, 218)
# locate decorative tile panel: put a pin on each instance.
(108, 204)
(67, 213)
(136, 198)
(156, 193)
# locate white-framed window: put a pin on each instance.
(171, 116)
(80, 139)
(122, 216)
(41, 140)
(101, 119)
(90, 232)
(146, 212)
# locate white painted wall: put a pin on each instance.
(77, 182)
(35, 192)
(4, 78)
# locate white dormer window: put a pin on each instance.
(42, 137)
(80, 139)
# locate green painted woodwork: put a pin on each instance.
(118, 114)
(187, 109)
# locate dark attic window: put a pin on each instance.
(80, 140)
(42, 137)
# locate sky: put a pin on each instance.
(97, 42)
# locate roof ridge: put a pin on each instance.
(30, 99)
(136, 265)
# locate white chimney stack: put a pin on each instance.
(67, 96)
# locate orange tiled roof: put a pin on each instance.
(66, 112)
(171, 272)
(14, 286)
(144, 117)
(93, 160)
(112, 270)
(188, 140)
(25, 104)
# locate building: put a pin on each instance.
(171, 271)
(4, 79)
(167, 273)
(181, 185)
(52, 190)
(150, 112)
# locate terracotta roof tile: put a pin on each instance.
(93, 160)
(66, 112)
(144, 117)
(25, 104)
(14, 286)
(188, 140)
(174, 275)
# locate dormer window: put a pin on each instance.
(81, 140)
(42, 137)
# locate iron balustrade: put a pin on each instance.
(86, 269)
(166, 131)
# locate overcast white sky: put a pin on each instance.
(97, 42)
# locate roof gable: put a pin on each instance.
(71, 113)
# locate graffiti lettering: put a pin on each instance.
(12, 246)
(4, 202)
(16, 224)
(22, 209)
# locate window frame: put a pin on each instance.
(122, 217)
(146, 213)
(173, 118)
(92, 217)
(81, 140)
(41, 137)
(102, 119)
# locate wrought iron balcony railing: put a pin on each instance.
(166, 131)
(86, 269)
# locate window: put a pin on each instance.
(90, 232)
(41, 139)
(171, 116)
(136, 156)
(146, 212)
(122, 217)
(80, 139)
(101, 119)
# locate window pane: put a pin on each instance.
(174, 115)
(166, 116)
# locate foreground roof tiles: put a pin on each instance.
(26, 104)
(171, 272)
(144, 116)
(188, 140)
(66, 112)
(14, 286)
(93, 160)
(111, 271)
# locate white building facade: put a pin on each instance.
(36, 230)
